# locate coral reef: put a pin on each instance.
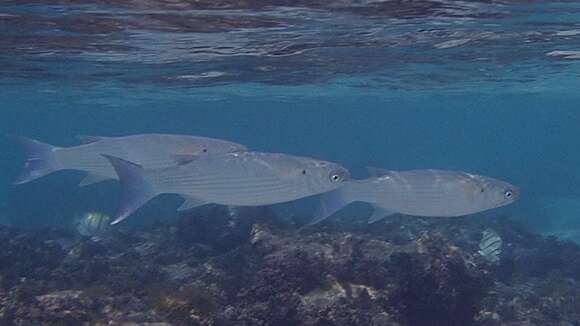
(219, 266)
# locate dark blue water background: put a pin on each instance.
(486, 87)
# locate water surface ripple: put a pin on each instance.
(394, 44)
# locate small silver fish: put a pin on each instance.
(93, 224)
(150, 150)
(429, 193)
(490, 245)
(238, 179)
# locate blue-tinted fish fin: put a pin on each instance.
(375, 172)
(40, 160)
(89, 139)
(182, 159)
(136, 189)
(90, 179)
(190, 202)
(379, 213)
(330, 203)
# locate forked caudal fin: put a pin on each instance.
(40, 160)
(330, 203)
(136, 190)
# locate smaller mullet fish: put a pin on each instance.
(490, 245)
(428, 193)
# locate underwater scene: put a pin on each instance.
(324, 162)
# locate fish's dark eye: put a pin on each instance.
(303, 172)
(482, 190)
(335, 177)
(204, 150)
(508, 194)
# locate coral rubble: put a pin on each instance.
(215, 267)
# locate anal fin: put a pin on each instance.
(90, 179)
(190, 202)
(379, 213)
(88, 139)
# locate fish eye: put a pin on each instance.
(303, 172)
(508, 194)
(204, 150)
(335, 177)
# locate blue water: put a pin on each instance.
(487, 87)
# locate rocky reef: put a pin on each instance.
(215, 267)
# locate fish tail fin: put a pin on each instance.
(136, 188)
(40, 160)
(330, 203)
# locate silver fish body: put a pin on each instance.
(150, 150)
(239, 179)
(429, 193)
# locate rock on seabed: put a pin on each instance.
(215, 268)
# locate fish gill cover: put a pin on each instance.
(488, 87)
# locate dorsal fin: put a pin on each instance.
(182, 159)
(89, 139)
(376, 172)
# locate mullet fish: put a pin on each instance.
(239, 179)
(150, 150)
(429, 193)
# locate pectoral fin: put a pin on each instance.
(182, 159)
